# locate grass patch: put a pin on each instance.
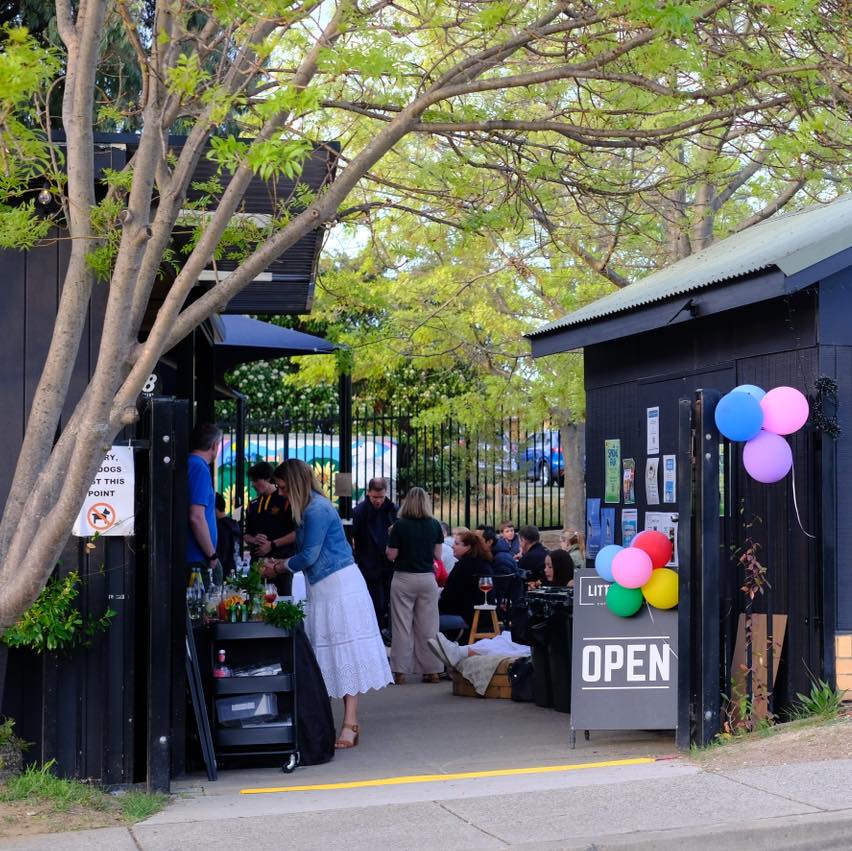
(137, 806)
(40, 785)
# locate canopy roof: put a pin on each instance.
(239, 339)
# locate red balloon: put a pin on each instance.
(656, 544)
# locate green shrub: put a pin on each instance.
(823, 701)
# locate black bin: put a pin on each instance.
(551, 623)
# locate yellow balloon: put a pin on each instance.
(661, 589)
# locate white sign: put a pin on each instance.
(669, 478)
(653, 418)
(109, 505)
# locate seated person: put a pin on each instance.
(508, 586)
(509, 541)
(461, 593)
(572, 542)
(533, 552)
(452, 653)
(558, 569)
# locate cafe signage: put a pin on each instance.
(624, 670)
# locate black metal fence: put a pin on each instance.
(475, 477)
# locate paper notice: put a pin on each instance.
(629, 525)
(652, 489)
(654, 430)
(665, 522)
(629, 481)
(669, 478)
(612, 458)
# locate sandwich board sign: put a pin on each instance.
(624, 670)
(109, 506)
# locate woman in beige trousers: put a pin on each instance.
(413, 545)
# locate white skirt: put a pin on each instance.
(341, 625)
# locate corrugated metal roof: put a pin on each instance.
(791, 242)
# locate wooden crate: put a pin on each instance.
(500, 685)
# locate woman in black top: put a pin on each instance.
(461, 593)
(413, 545)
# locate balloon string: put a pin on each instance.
(796, 504)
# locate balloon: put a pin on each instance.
(767, 457)
(661, 589)
(632, 567)
(603, 561)
(624, 602)
(752, 390)
(785, 410)
(739, 416)
(656, 544)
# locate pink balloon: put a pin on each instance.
(785, 410)
(632, 567)
(767, 457)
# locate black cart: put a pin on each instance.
(247, 646)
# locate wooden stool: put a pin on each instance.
(475, 634)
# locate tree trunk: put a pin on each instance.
(574, 490)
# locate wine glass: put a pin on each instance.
(270, 592)
(486, 583)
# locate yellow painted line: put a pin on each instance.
(436, 778)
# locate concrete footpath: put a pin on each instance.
(438, 772)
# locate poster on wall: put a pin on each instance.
(109, 507)
(653, 418)
(669, 478)
(593, 527)
(607, 526)
(652, 488)
(612, 460)
(629, 481)
(665, 522)
(629, 525)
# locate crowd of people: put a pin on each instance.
(403, 573)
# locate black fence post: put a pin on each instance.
(344, 441)
(708, 716)
(685, 508)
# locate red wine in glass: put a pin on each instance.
(485, 585)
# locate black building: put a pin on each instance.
(769, 306)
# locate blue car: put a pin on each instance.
(542, 458)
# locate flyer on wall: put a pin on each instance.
(612, 459)
(629, 525)
(652, 489)
(629, 481)
(665, 522)
(593, 527)
(607, 526)
(669, 478)
(654, 430)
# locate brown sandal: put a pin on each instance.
(398, 679)
(431, 678)
(343, 744)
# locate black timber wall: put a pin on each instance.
(77, 708)
(768, 344)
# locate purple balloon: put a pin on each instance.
(785, 410)
(767, 457)
(632, 567)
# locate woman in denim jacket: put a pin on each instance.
(340, 622)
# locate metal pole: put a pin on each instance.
(685, 508)
(345, 438)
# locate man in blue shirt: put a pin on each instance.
(201, 535)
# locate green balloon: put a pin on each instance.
(624, 602)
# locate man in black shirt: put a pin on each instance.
(227, 537)
(371, 522)
(533, 552)
(270, 530)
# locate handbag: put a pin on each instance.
(521, 679)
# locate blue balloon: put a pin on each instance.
(739, 416)
(751, 389)
(603, 561)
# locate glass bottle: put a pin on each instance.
(221, 669)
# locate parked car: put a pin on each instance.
(542, 458)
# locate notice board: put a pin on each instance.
(624, 670)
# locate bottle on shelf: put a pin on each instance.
(221, 669)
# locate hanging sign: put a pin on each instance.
(109, 506)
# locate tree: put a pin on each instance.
(285, 75)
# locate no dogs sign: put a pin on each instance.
(109, 505)
(624, 670)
